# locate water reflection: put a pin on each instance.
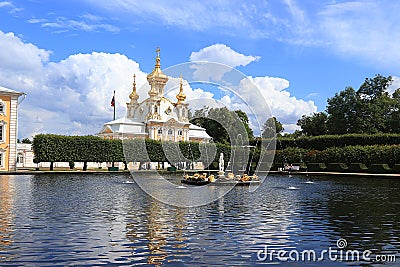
(366, 213)
(7, 191)
(102, 220)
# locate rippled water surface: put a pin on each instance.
(66, 220)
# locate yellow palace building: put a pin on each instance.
(8, 128)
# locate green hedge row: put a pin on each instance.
(376, 154)
(325, 141)
(59, 148)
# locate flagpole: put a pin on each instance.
(114, 104)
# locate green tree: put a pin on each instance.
(393, 122)
(375, 104)
(342, 112)
(271, 128)
(245, 120)
(26, 141)
(315, 124)
(222, 124)
(370, 109)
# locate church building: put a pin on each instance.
(156, 117)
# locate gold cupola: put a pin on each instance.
(181, 96)
(157, 79)
(134, 96)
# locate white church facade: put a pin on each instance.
(157, 117)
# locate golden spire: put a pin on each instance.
(134, 96)
(157, 73)
(181, 96)
(158, 64)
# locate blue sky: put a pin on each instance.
(68, 56)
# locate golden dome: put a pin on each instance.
(134, 96)
(181, 96)
(157, 72)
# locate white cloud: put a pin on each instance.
(17, 56)
(369, 30)
(395, 84)
(73, 96)
(221, 54)
(267, 96)
(6, 4)
(11, 6)
(362, 29)
(312, 95)
(194, 15)
(86, 22)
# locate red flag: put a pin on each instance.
(113, 101)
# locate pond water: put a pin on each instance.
(100, 219)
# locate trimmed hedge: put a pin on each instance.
(322, 142)
(376, 154)
(59, 148)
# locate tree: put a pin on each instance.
(393, 122)
(245, 120)
(375, 87)
(222, 124)
(375, 104)
(315, 124)
(367, 110)
(26, 141)
(271, 128)
(342, 112)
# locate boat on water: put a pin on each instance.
(198, 179)
(232, 179)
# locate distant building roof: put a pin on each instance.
(198, 132)
(4, 90)
(124, 125)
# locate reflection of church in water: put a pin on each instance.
(156, 117)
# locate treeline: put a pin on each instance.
(368, 110)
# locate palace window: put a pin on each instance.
(180, 132)
(20, 158)
(2, 108)
(159, 131)
(169, 132)
(1, 159)
(2, 131)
